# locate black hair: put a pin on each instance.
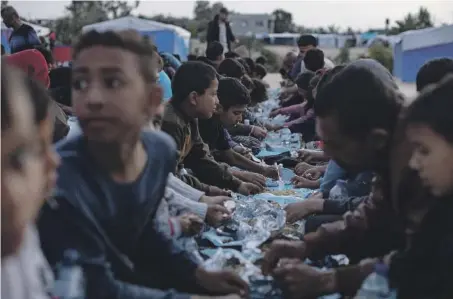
(206, 60)
(191, 57)
(260, 70)
(307, 40)
(214, 50)
(232, 54)
(314, 60)
(251, 64)
(261, 60)
(46, 53)
(224, 10)
(303, 79)
(231, 68)
(231, 93)
(247, 82)
(191, 76)
(129, 40)
(433, 71)
(244, 65)
(322, 78)
(259, 92)
(360, 99)
(177, 56)
(434, 107)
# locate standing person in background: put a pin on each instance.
(23, 36)
(219, 30)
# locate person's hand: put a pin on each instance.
(301, 168)
(251, 177)
(216, 191)
(310, 156)
(274, 113)
(303, 281)
(314, 173)
(221, 282)
(270, 172)
(282, 249)
(298, 210)
(249, 188)
(240, 150)
(215, 200)
(300, 182)
(190, 224)
(216, 214)
(258, 132)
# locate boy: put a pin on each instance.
(259, 72)
(233, 99)
(195, 96)
(314, 60)
(214, 52)
(231, 68)
(112, 179)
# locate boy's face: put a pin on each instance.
(432, 158)
(304, 49)
(352, 154)
(22, 182)
(231, 116)
(110, 96)
(206, 103)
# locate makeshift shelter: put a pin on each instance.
(6, 32)
(416, 47)
(168, 38)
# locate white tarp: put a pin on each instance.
(416, 39)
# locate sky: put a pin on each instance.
(361, 15)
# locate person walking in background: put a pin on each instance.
(219, 30)
(23, 36)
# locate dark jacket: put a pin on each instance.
(213, 32)
(111, 225)
(193, 152)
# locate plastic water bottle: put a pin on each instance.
(339, 191)
(70, 280)
(376, 285)
(285, 135)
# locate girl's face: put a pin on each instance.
(432, 158)
(22, 181)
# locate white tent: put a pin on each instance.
(40, 30)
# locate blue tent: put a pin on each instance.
(416, 47)
(167, 38)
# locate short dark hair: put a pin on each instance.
(247, 82)
(191, 57)
(307, 40)
(214, 50)
(433, 71)
(46, 53)
(314, 60)
(206, 60)
(231, 93)
(251, 64)
(224, 10)
(260, 70)
(231, 68)
(259, 91)
(232, 54)
(244, 64)
(303, 80)
(261, 60)
(191, 76)
(325, 77)
(434, 107)
(361, 100)
(129, 40)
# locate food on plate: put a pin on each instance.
(282, 192)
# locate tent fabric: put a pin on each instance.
(168, 38)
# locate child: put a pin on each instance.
(251, 65)
(115, 170)
(425, 270)
(231, 68)
(28, 174)
(261, 60)
(233, 99)
(433, 71)
(214, 52)
(259, 71)
(195, 97)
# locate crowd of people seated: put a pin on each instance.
(159, 145)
